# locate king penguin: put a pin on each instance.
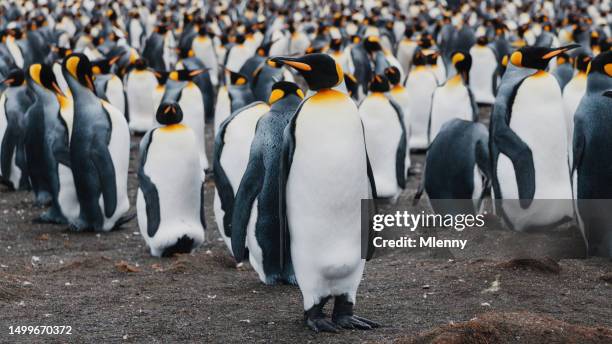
(385, 134)
(181, 89)
(108, 85)
(454, 98)
(528, 165)
(57, 123)
(325, 172)
(140, 83)
(231, 156)
(421, 84)
(99, 152)
(484, 65)
(401, 96)
(170, 201)
(14, 103)
(255, 220)
(592, 163)
(573, 92)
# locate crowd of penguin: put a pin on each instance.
(314, 105)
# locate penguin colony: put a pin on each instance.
(315, 105)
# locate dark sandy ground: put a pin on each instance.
(109, 289)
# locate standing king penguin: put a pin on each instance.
(325, 173)
(258, 194)
(170, 209)
(528, 165)
(592, 167)
(385, 134)
(99, 152)
(421, 84)
(14, 103)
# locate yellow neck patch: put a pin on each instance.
(35, 73)
(72, 65)
(172, 127)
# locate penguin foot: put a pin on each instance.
(42, 199)
(123, 220)
(321, 325)
(291, 280)
(353, 321)
(51, 217)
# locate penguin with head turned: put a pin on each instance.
(181, 89)
(564, 70)
(170, 201)
(325, 172)
(526, 165)
(400, 95)
(99, 152)
(258, 194)
(484, 65)
(57, 118)
(230, 158)
(14, 103)
(108, 85)
(202, 80)
(592, 165)
(385, 133)
(574, 91)
(239, 91)
(453, 99)
(140, 83)
(421, 84)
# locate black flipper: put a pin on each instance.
(473, 105)
(106, 172)
(371, 210)
(400, 155)
(9, 144)
(148, 189)
(202, 208)
(607, 94)
(250, 186)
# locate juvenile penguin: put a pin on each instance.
(454, 98)
(99, 152)
(232, 146)
(385, 135)
(140, 83)
(421, 84)
(170, 201)
(320, 207)
(401, 96)
(528, 165)
(14, 103)
(108, 85)
(484, 65)
(181, 89)
(592, 165)
(255, 220)
(57, 123)
(457, 167)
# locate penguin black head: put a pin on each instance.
(379, 83)
(79, 68)
(184, 74)
(581, 62)
(239, 39)
(15, 77)
(104, 66)
(264, 49)
(419, 59)
(352, 85)
(237, 79)
(482, 40)
(283, 89)
(602, 64)
(62, 52)
(140, 64)
(169, 114)
(43, 75)
(162, 77)
(393, 75)
(336, 44)
(462, 61)
(537, 57)
(372, 44)
(319, 70)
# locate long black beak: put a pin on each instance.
(559, 50)
(292, 62)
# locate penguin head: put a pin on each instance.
(15, 77)
(140, 64)
(581, 62)
(284, 89)
(336, 44)
(393, 75)
(372, 44)
(482, 40)
(162, 77)
(237, 79)
(169, 114)
(462, 61)
(104, 66)
(61, 52)
(537, 57)
(42, 74)
(319, 70)
(352, 85)
(184, 74)
(419, 59)
(78, 67)
(601, 64)
(379, 83)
